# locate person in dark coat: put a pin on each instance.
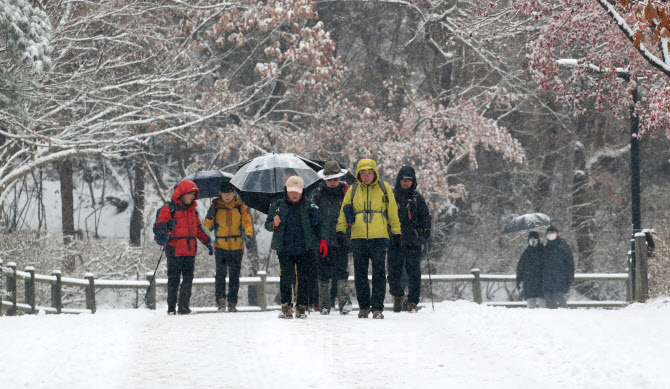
(559, 269)
(185, 230)
(333, 256)
(294, 223)
(415, 224)
(529, 271)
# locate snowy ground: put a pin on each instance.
(459, 345)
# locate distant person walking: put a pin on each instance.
(369, 207)
(180, 219)
(415, 221)
(231, 223)
(558, 271)
(529, 271)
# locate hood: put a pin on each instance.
(185, 187)
(367, 164)
(405, 171)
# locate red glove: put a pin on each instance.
(323, 248)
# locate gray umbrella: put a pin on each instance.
(527, 222)
(262, 179)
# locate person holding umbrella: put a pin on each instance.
(529, 271)
(369, 207)
(232, 227)
(294, 222)
(558, 271)
(333, 256)
(181, 221)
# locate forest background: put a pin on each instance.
(504, 108)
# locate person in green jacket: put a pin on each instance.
(294, 222)
(370, 208)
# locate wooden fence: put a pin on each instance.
(90, 284)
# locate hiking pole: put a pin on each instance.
(430, 279)
(155, 270)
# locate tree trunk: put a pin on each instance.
(583, 211)
(67, 208)
(137, 216)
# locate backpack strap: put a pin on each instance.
(382, 186)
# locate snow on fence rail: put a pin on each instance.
(90, 284)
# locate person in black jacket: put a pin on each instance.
(559, 269)
(415, 222)
(529, 271)
(333, 257)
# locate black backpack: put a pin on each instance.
(161, 238)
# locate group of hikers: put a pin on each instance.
(546, 271)
(313, 237)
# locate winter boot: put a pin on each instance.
(300, 312)
(286, 311)
(344, 302)
(172, 311)
(324, 295)
(377, 315)
(221, 305)
(232, 307)
(363, 313)
(317, 307)
(184, 310)
(397, 303)
(411, 307)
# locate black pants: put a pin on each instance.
(179, 267)
(287, 266)
(368, 251)
(227, 262)
(334, 265)
(409, 258)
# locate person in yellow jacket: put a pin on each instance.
(232, 226)
(369, 207)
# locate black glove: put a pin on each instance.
(249, 242)
(396, 240)
(171, 224)
(426, 233)
(341, 239)
(210, 247)
(210, 214)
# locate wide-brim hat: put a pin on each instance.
(331, 170)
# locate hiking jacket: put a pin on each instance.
(229, 222)
(280, 207)
(559, 267)
(188, 229)
(329, 201)
(529, 271)
(413, 211)
(374, 211)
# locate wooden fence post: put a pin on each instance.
(476, 287)
(90, 292)
(641, 268)
(629, 281)
(2, 289)
(30, 289)
(151, 293)
(56, 291)
(262, 296)
(11, 287)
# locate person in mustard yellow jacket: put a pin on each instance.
(232, 226)
(369, 207)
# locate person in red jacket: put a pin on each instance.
(184, 228)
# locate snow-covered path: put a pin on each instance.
(460, 345)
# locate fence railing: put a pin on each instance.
(90, 284)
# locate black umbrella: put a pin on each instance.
(527, 222)
(209, 182)
(261, 180)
